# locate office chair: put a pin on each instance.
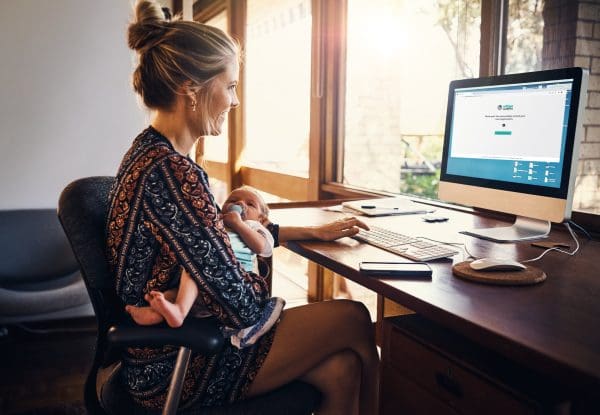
(82, 210)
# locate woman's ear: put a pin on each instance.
(191, 90)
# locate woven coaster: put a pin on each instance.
(528, 276)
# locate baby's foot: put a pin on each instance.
(144, 316)
(171, 313)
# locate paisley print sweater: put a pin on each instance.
(162, 219)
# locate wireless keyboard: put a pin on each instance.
(417, 249)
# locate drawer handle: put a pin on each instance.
(449, 384)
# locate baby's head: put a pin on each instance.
(252, 204)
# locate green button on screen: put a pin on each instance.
(502, 132)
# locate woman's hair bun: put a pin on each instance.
(148, 27)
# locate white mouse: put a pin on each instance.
(496, 264)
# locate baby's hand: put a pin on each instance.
(231, 219)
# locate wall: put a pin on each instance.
(588, 56)
(67, 109)
(572, 38)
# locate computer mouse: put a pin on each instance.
(496, 264)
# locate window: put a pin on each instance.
(401, 55)
(524, 36)
(383, 70)
(277, 86)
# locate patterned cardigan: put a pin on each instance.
(163, 218)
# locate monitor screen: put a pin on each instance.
(514, 136)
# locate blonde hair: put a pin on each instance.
(263, 205)
(172, 53)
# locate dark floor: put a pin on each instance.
(43, 367)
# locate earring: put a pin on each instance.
(194, 105)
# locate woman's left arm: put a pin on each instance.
(348, 226)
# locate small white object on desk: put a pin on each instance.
(496, 264)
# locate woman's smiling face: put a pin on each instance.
(222, 97)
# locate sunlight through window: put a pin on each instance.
(401, 55)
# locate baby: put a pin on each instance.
(244, 211)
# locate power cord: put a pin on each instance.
(567, 224)
(586, 233)
(562, 251)
(469, 255)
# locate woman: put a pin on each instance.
(163, 219)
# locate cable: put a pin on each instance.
(581, 229)
(562, 251)
(463, 246)
(469, 254)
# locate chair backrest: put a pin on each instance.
(83, 210)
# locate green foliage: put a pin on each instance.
(523, 39)
(421, 184)
(524, 36)
(455, 18)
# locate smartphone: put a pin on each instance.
(397, 269)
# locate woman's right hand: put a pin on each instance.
(348, 226)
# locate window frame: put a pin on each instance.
(327, 112)
(233, 172)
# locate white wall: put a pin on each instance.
(67, 109)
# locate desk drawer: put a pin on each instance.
(401, 396)
(459, 386)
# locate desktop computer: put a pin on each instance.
(511, 144)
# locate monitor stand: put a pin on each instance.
(524, 229)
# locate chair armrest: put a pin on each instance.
(199, 334)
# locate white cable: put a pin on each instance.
(586, 233)
(469, 254)
(562, 251)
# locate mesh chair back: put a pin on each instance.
(82, 210)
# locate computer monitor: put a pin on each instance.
(511, 144)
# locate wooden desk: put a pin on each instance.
(552, 328)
